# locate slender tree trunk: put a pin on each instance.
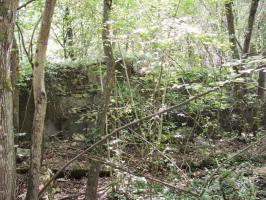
(39, 101)
(14, 79)
(251, 19)
(232, 39)
(262, 93)
(68, 37)
(245, 53)
(262, 83)
(231, 28)
(92, 182)
(7, 153)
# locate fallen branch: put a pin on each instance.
(70, 173)
(101, 141)
(150, 178)
(73, 196)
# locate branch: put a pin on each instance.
(101, 141)
(25, 4)
(239, 45)
(24, 45)
(150, 178)
(32, 37)
(57, 39)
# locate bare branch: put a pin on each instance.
(24, 45)
(32, 36)
(25, 4)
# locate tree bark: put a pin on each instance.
(231, 28)
(7, 153)
(68, 36)
(262, 83)
(14, 79)
(262, 93)
(40, 101)
(238, 90)
(251, 19)
(92, 182)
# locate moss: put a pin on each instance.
(3, 10)
(7, 85)
(3, 32)
(3, 36)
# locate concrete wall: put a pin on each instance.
(71, 92)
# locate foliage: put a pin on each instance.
(177, 49)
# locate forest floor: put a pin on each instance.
(194, 159)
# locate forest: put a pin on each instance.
(132, 99)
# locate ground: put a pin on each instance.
(199, 155)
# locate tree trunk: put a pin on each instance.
(231, 28)
(14, 79)
(7, 153)
(251, 19)
(68, 37)
(92, 182)
(262, 93)
(262, 84)
(39, 94)
(238, 90)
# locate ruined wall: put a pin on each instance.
(71, 91)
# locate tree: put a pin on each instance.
(14, 79)
(240, 88)
(39, 101)
(261, 89)
(92, 182)
(251, 19)
(7, 154)
(68, 35)
(231, 28)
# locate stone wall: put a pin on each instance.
(71, 92)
